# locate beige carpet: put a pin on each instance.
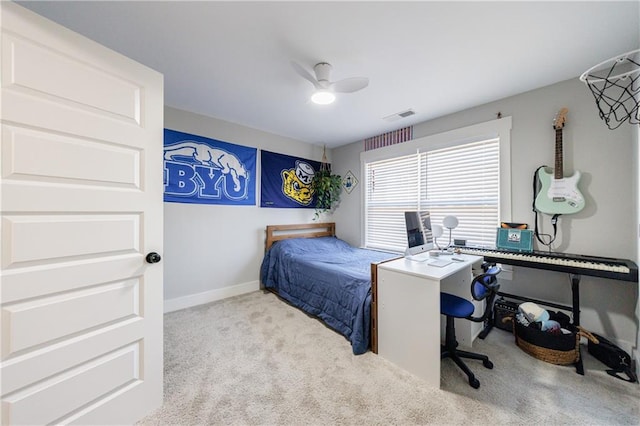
(253, 360)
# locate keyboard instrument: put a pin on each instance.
(574, 264)
(604, 267)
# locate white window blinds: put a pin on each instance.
(392, 187)
(462, 180)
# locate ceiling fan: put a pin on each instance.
(326, 89)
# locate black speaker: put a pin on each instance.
(501, 309)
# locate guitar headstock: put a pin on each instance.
(561, 117)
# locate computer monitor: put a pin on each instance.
(419, 233)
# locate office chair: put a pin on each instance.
(483, 287)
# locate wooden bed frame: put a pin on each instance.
(327, 229)
(305, 230)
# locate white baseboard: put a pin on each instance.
(183, 302)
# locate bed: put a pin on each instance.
(312, 269)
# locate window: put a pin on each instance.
(462, 179)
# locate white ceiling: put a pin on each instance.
(231, 60)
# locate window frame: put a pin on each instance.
(499, 128)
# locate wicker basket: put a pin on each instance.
(560, 349)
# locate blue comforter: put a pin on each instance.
(328, 278)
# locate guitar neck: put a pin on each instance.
(558, 172)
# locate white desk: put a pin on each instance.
(409, 321)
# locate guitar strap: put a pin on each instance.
(554, 218)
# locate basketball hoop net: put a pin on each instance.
(615, 85)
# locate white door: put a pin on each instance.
(81, 205)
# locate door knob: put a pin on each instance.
(153, 257)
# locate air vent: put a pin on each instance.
(399, 115)
(389, 138)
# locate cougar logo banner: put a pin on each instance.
(286, 181)
(200, 170)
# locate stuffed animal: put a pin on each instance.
(551, 326)
(533, 312)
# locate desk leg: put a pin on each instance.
(575, 292)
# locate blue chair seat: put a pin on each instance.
(455, 306)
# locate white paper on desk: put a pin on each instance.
(439, 263)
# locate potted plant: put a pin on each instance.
(327, 188)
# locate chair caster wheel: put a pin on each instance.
(474, 382)
(488, 364)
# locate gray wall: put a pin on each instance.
(208, 247)
(606, 227)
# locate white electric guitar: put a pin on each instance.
(559, 194)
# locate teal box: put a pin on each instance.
(514, 239)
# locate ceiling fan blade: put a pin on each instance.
(349, 85)
(305, 74)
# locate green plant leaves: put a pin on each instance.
(327, 188)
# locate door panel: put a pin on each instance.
(81, 386)
(20, 372)
(56, 238)
(68, 314)
(81, 201)
(28, 154)
(90, 88)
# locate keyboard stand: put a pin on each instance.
(575, 294)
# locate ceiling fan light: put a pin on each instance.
(323, 97)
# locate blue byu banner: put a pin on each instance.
(200, 170)
(286, 181)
